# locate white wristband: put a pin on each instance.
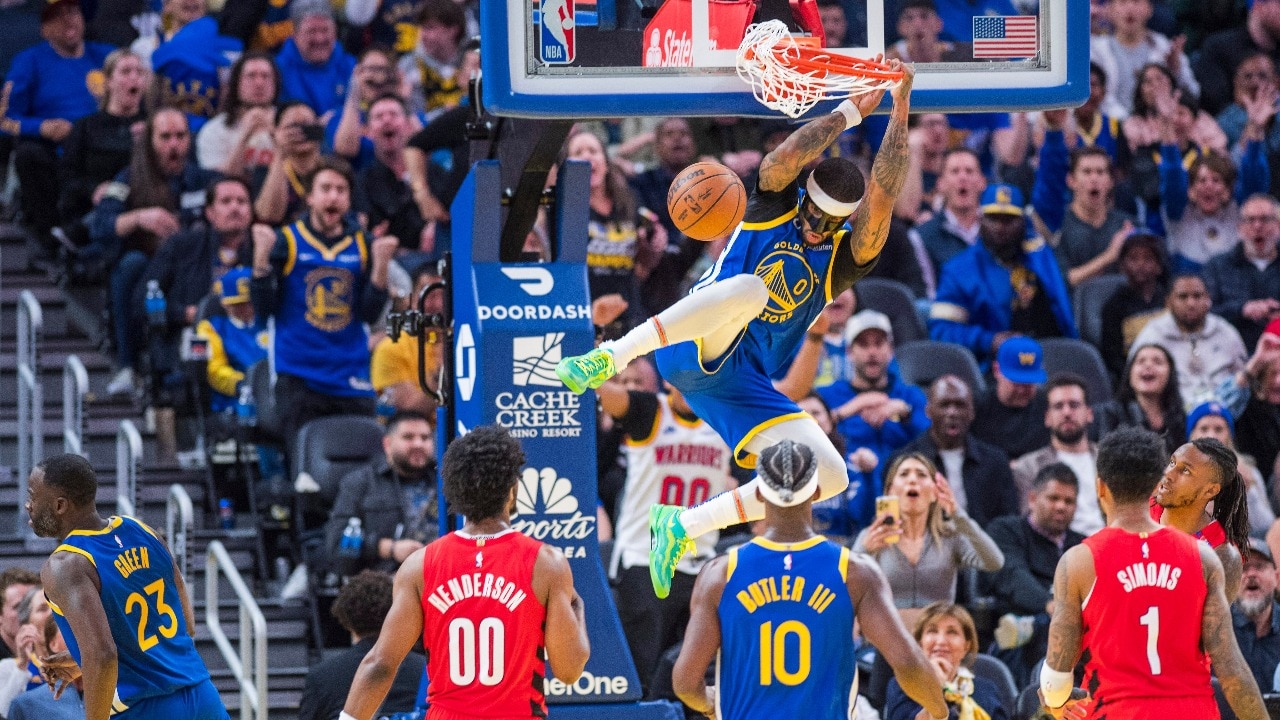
(852, 115)
(344, 715)
(1055, 686)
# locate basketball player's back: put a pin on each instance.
(483, 627)
(1142, 627)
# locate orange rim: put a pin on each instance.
(808, 58)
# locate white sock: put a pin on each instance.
(723, 510)
(729, 303)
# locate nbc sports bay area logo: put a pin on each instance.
(547, 510)
(533, 413)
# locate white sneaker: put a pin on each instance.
(296, 586)
(1014, 631)
(122, 383)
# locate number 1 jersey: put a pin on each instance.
(483, 627)
(156, 655)
(1142, 622)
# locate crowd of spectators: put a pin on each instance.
(282, 172)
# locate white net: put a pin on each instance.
(771, 62)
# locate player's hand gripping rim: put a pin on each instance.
(1076, 707)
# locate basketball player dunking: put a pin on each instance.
(1146, 603)
(745, 319)
(486, 600)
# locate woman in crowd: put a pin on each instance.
(1148, 398)
(1142, 128)
(100, 145)
(1214, 420)
(237, 141)
(623, 246)
(924, 550)
(280, 194)
(949, 639)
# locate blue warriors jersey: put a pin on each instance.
(786, 626)
(319, 335)
(156, 654)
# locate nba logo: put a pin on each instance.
(557, 46)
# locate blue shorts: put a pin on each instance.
(733, 394)
(194, 702)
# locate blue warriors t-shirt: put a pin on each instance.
(786, 625)
(156, 654)
(801, 278)
(319, 336)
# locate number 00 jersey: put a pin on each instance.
(156, 654)
(482, 627)
(676, 461)
(786, 625)
(1142, 623)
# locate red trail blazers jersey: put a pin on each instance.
(482, 628)
(1142, 619)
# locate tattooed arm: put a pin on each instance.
(888, 174)
(1066, 629)
(803, 146)
(1219, 639)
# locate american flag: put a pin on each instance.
(1004, 36)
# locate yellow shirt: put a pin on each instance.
(397, 362)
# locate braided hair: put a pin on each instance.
(786, 468)
(1230, 507)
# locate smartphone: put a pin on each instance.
(887, 506)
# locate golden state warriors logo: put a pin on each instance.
(329, 298)
(96, 83)
(790, 282)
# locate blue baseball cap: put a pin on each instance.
(1021, 360)
(1210, 408)
(1002, 200)
(234, 286)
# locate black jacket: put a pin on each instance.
(376, 495)
(1234, 280)
(1025, 583)
(325, 691)
(183, 265)
(988, 481)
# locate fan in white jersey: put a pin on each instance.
(672, 458)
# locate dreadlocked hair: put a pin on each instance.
(1230, 507)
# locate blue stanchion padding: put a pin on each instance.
(657, 710)
(512, 322)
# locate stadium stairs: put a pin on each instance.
(74, 322)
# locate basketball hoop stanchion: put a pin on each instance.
(790, 75)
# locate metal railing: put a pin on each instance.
(30, 399)
(179, 520)
(75, 387)
(249, 665)
(128, 457)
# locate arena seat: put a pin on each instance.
(1079, 357)
(923, 361)
(986, 666)
(895, 300)
(1087, 301)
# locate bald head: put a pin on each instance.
(950, 409)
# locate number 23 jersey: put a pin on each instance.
(156, 654)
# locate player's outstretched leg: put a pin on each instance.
(672, 528)
(725, 305)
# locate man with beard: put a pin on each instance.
(1255, 615)
(875, 411)
(978, 472)
(1023, 588)
(1003, 286)
(323, 280)
(102, 574)
(1201, 472)
(394, 498)
(1068, 417)
(160, 194)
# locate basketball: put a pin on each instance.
(707, 201)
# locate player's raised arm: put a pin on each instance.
(378, 669)
(71, 583)
(566, 632)
(701, 639)
(803, 146)
(888, 174)
(884, 629)
(1219, 638)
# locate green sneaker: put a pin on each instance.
(667, 544)
(580, 372)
